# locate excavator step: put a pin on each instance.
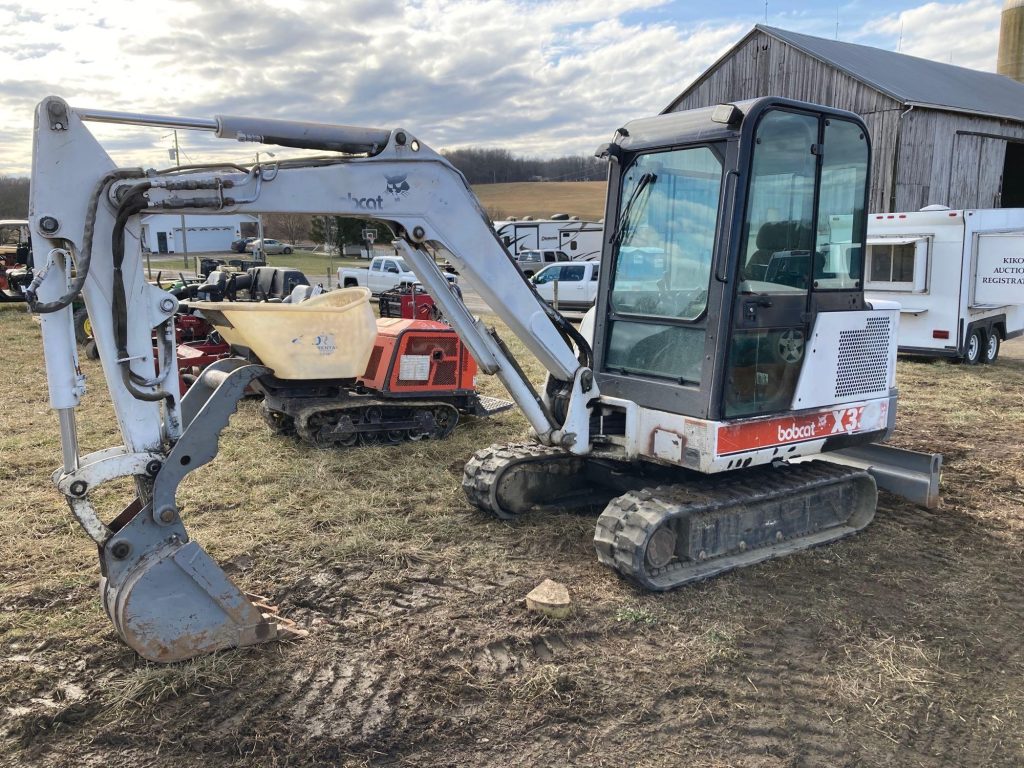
(667, 536)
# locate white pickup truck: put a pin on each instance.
(383, 274)
(577, 284)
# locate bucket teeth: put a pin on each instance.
(270, 613)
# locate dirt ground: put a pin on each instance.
(900, 646)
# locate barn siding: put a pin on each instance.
(935, 148)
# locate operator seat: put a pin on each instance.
(772, 237)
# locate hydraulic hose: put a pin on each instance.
(85, 257)
(133, 203)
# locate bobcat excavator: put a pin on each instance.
(730, 340)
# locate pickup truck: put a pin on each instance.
(577, 284)
(383, 274)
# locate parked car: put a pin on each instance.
(532, 262)
(267, 245)
(238, 246)
(383, 274)
(577, 284)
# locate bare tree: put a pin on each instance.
(291, 227)
(13, 197)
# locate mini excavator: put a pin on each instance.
(730, 342)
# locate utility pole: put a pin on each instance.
(259, 216)
(184, 229)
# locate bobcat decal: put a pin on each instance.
(397, 185)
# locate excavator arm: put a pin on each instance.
(167, 598)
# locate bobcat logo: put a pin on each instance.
(397, 185)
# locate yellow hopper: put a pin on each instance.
(327, 337)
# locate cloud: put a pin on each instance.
(539, 77)
(965, 34)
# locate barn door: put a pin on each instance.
(977, 171)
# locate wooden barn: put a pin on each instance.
(940, 134)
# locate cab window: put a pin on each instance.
(549, 275)
(665, 238)
(572, 273)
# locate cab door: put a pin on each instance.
(806, 172)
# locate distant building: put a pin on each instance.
(161, 232)
(940, 134)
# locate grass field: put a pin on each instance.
(541, 199)
(900, 646)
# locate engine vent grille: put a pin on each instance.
(863, 359)
(444, 373)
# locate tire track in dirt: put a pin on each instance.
(506, 657)
(327, 595)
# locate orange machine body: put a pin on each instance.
(416, 358)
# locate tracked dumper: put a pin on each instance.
(730, 341)
(343, 378)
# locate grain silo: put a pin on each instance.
(1011, 40)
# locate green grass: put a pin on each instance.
(316, 266)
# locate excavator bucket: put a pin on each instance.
(175, 602)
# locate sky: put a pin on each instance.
(538, 77)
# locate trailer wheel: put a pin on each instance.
(973, 350)
(991, 352)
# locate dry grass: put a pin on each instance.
(541, 199)
(898, 646)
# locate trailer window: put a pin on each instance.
(899, 265)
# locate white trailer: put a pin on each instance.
(957, 274)
(579, 240)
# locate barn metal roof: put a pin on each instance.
(912, 80)
(915, 81)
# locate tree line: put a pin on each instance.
(497, 166)
(13, 197)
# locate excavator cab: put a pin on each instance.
(735, 227)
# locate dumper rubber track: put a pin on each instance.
(279, 423)
(669, 535)
(372, 422)
(512, 479)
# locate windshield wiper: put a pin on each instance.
(645, 181)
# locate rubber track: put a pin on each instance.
(486, 471)
(629, 521)
(308, 436)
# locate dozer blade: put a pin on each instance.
(670, 535)
(176, 602)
